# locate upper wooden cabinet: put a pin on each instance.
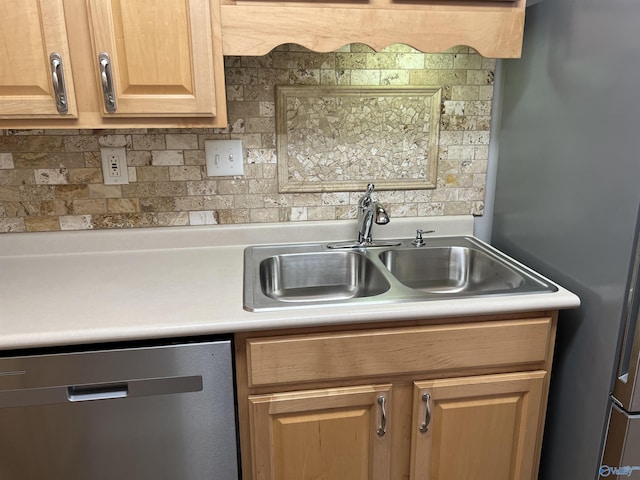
(493, 28)
(34, 55)
(155, 57)
(135, 63)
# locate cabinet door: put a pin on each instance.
(477, 428)
(159, 57)
(30, 31)
(329, 434)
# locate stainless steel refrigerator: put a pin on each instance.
(567, 191)
(621, 452)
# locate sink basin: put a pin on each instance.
(450, 270)
(320, 276)
(313, 274)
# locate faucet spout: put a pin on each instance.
(381, 216)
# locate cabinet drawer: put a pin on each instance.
(386, 351)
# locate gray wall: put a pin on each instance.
(566, 197)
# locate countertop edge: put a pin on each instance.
(58, 290)
(562, 299)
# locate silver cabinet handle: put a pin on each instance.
(106, 77)
(57, 78)
(382, 430)
(427, 418)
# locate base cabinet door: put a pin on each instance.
(328, 434)
(476, 428)
(35, 72)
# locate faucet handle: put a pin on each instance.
(418, 241)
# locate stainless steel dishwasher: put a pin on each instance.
(135, 412)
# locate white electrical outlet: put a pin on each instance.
(224, 157)
(114, 166)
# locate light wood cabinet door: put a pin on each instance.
(30, 31)
(160, 57)
(477, 428)
(328, 434)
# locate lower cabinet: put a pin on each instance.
(335, 433)
(455, 422)
(476, 427)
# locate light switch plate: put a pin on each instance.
(224, 157)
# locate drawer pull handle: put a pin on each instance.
(382, 430)
(59, 88)
(106, 76)
(427, 418)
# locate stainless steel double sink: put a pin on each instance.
(312, 274)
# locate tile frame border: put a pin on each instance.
(283, 93)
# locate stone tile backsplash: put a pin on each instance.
(52, 179)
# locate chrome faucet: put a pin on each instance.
(369, 212)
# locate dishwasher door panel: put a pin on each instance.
(174, 419)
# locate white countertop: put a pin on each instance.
(65, 288)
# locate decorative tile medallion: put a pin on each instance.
(339, 138)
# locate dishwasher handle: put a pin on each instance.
(146, 387)
(100, 391)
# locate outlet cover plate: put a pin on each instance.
(114, 165)
(224, 158)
